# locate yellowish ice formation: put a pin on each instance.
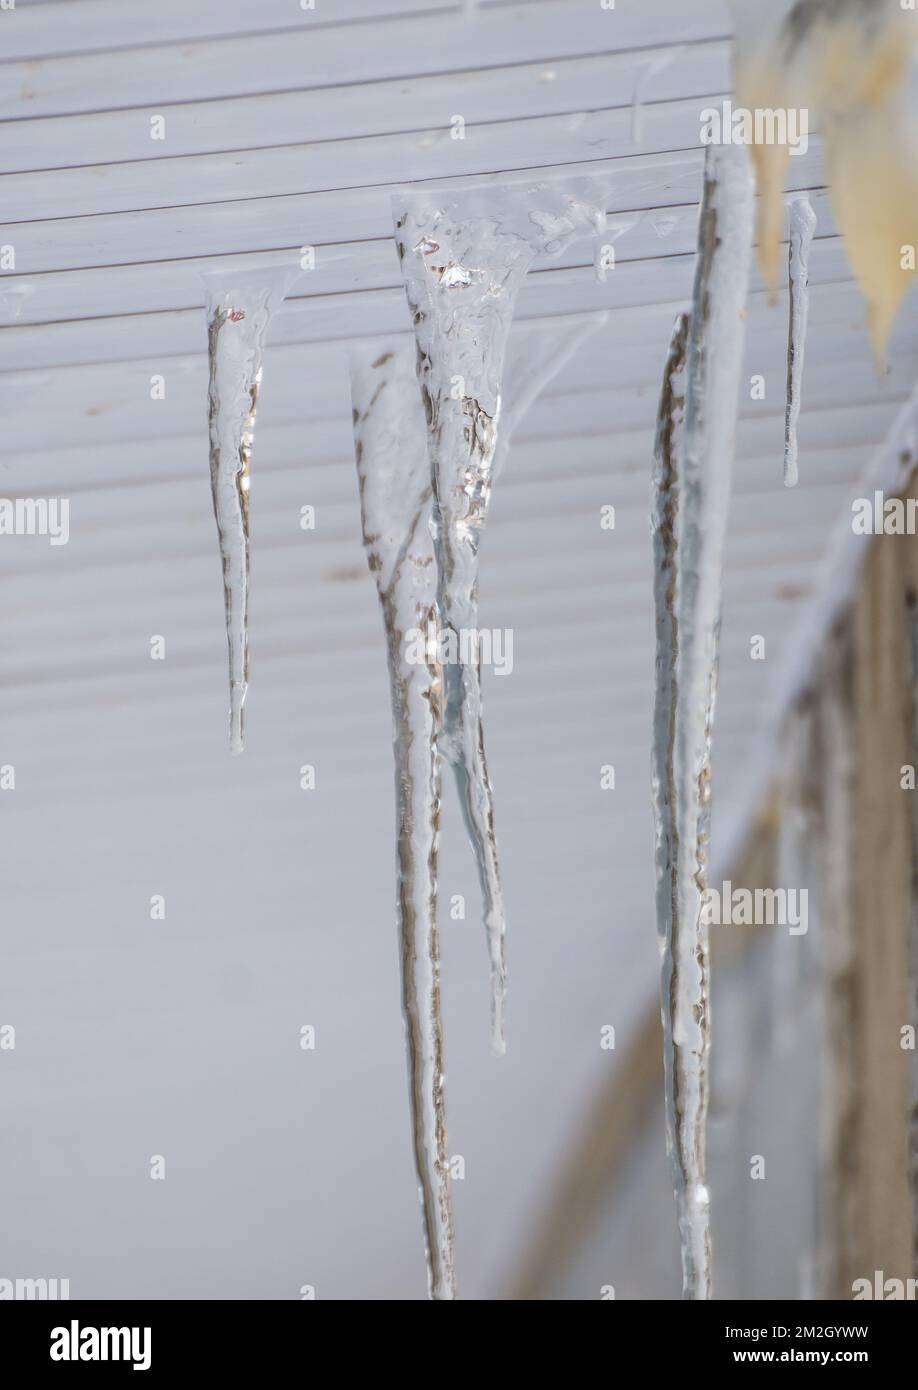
(853, 66)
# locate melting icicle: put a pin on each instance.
(534, 356)
(395, 497)
(464, 257)
(690, 500)
(802, 228)
(394, 476)
(239, 308)
(664, 509)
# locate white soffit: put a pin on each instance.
(286, 128)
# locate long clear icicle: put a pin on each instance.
(464, 257)
(536, 353)
(395, 497)
(689, 509)
(239, 307)
(394, 477)
(802, 229)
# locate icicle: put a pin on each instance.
(802, 228)
(692, 476)
(395, 496)
(394, 479)
(239, 308)
(534, 356)
(464, 257)
(664, 508)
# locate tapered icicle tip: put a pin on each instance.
(237, 701)
(239, 305)
(464, 255)
(394, 488)
(694, 1223)
(693, 466)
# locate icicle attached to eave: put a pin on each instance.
(464, 256)
(396, 500)
(692, 483)
(239, 307)
(394, 480)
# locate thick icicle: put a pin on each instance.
(395, 497)
(802, 228)
(394, 477)
(464, 257)
(692, 478)
(664, 508)
(239, 309)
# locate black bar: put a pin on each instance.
(238, 1338)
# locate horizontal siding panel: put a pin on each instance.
(85, 407)
(65, 27)
(301, 58)
(642, 184)
(378, 108)
(329, 166)
(634, 285)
